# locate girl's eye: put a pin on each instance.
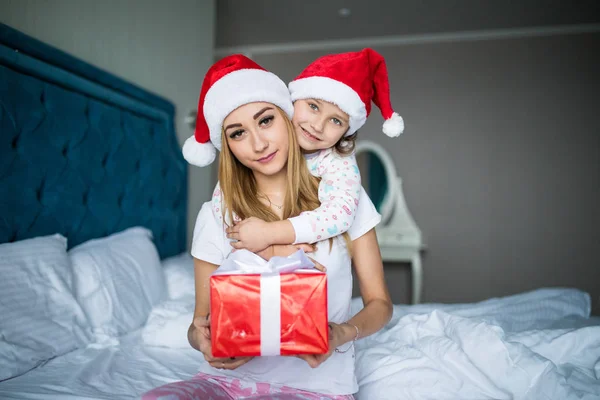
(313, 106)
(236, 134)
(336, 121)
(266, 120)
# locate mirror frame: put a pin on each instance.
(389, 199)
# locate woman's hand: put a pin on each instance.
(252, 234)
(338, 336)
(199, 338)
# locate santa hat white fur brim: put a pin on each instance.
(336, 92)
(242, 87)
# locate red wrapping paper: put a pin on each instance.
(236, 320)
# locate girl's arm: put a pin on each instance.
(216, 202)
(339, 191)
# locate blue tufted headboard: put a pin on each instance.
(84, 153)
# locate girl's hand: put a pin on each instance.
(199, 337)
(337, 335)
(252, 234)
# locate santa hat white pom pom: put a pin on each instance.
(199, 154)
(394, 126)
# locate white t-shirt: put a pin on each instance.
(336, 375)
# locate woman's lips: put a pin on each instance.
(267, 158)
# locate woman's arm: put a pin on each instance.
(377, 310)
(202, 271)
(199, 330)
(368, 266)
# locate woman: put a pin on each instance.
(263, 174)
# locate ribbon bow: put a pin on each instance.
(246, 262)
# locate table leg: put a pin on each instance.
(417, 278)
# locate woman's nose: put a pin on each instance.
(259, 143)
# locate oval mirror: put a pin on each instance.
(378, 175)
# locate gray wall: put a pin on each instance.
(164, 47)
(500, 161)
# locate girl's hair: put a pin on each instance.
(240, 193)
(345, 146)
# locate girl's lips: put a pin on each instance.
(309, 136)
(267, 158)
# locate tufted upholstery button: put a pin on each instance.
(55, 170)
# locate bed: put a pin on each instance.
(97, 288)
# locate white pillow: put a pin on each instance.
(39, 317)
(179, 275)
(168, 323)
(118, 279)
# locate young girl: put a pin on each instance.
(332, 99)
(260, 154)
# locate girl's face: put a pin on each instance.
(257, 136)
(319, 124)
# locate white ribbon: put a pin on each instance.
(246, 262)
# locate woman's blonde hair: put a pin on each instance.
(240, 193)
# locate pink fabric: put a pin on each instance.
(209, 387)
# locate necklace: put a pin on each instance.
(270, 202)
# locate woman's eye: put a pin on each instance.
(313, 106)
(266, 120)
(236, 134)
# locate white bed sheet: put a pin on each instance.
(121, 370)
(536, 345)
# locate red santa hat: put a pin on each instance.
(230, 83)
(350, 81)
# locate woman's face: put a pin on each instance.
(318, 124)
(257, 135)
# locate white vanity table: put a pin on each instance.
(400, 239)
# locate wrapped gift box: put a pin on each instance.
(268, 308)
